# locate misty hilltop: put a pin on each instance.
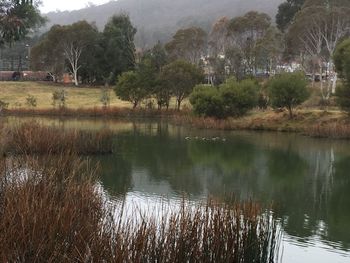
(159, 19)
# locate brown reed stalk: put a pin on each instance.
(51, 211)
(32, 138)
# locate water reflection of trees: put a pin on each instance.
(307, 181)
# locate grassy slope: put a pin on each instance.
(15, 94)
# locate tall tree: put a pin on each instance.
(319, 27)
(188, 44)
(47, 54)
(181, 76)
(17, 18)
(64, 44)
(342, 64)
(245, 32)
(287, 12)
(218, 37)
(119, 48)
(76, 38)
(269, 49)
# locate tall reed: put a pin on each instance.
(52, 211)
(32, 138)
(331, 130)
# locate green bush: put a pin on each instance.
(230, 99)
(206, 101)
(288, 90)
(343, 97)
(342, 60)
(239, 97)
(129, 88)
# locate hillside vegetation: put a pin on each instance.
(159, 19)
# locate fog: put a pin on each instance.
(159, 19)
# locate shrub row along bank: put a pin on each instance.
(317, 124)
(57, 215)
(229, 99)
(31, 138)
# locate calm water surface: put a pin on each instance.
(307, 180)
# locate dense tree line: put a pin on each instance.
(87, 53)
(250, 46)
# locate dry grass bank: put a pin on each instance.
(84, 97)
(316, 123)
(15, 93)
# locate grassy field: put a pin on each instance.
(309, 118)
(15, 93)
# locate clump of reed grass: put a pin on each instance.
(52, 211)
(32, 138)
(330, 130)
(114, 112)
(47, 214)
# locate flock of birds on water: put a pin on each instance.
(213, 139)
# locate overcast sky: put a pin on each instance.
(53, 5)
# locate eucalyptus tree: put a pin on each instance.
(245, 32)
(218, 37)
(64, 44)
(118, 46)
(75, 39)
(269, 49)
(286, 13)
(180, 77)
(47, 54)
(18, 18)
(188, 44)
(318, 28)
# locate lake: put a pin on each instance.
(307, 181)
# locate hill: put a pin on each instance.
(159, 19)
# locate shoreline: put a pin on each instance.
(312, 123)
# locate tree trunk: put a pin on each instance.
(334, 85)
(76, 81)
(290, 112)
(178, 104)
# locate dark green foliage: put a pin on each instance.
(181, 77)
(17, 18)
(239, 97)
(288, 90)
(342, 64)
(129, 88)
(286, 13)
(206, 101)
(118, 47)
(342, 60)
(343, 97)
(230, 99)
